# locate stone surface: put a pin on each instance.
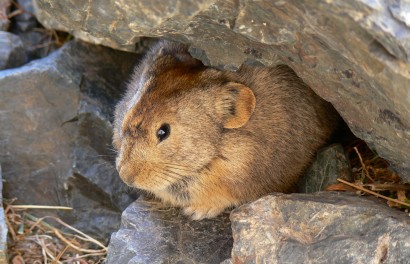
(56, 134)
(319, 228)
(12, 52)
(353, 53)
(3, 225)
(151, 233)
(330, 163)
(4, 9)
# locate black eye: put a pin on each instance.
(163, 132)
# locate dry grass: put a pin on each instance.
(36, 240)
(372, 176)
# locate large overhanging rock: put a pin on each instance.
(353, 53)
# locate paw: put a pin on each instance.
(199, 212)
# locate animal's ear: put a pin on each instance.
(235, 104)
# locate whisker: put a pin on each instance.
(177, 167)
(160, 175)
(174, 165)
(179, 177)
(111, 149)
(196, 184)
(98, 156)
(175, 173)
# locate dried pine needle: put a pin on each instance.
(45, 207)
(374, 193)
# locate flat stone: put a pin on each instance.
(355, 54)
(12, 52)
(319, 228)
(330, 163)
(55, 119)
(152, 233)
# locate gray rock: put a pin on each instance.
(152, 233)
(353, 53)
(56, 134)
(3, 225)
(12, 52)
(4, 9)
(330, 163)
(319, 228)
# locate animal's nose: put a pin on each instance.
(127, 173)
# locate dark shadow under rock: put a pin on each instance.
(152, 233)
(323, 228)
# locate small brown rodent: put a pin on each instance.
(205, 139)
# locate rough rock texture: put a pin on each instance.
(150, 233)
(319, 228)
(330, 163)
(12, 52)
(3, 225)
(56, 134)
(354, 53)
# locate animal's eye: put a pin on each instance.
(163, 132)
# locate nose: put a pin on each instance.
(124, 173)
(127, 178)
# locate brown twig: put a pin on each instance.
(366, 172)
(70, 260)
(96, 251)
(373, 193)
(47, 207)
(387, 187)
(56, 260)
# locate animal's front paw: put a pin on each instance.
(201, 212)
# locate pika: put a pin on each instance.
(205, 140)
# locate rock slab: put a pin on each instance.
(330, 163)
(152, 233)
(55, 119)
(319, 228)
(353, 53)
(12, 53)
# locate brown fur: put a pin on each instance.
(234, 136)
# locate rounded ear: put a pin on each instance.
(235, 104)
